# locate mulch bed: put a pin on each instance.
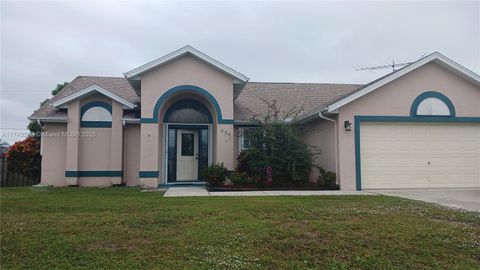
(267, 188)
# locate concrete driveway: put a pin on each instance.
(465, 198)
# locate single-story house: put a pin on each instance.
(161, 123)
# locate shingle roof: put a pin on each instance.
(117, 85)
(248, 101)
(310, 96)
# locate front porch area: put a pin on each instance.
(183, 138)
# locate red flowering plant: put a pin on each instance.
(24, 157)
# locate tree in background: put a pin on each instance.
(35, 129)
(24, 157)
(33, 126)
(59, 88)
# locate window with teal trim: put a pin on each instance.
(96, 114)
(432, 106)
(188, 111)
(432, 103)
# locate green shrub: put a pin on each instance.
(275, 143)
(326, 179)
(242, 162)
(243, 179)
(215, 174)
(240, 179)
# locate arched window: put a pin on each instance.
(188, 111)
(432, 104)
(96, 114)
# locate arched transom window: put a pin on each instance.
(188, 111)
(432, 106)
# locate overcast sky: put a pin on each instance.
(45, 43)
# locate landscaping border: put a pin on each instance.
(227, 188)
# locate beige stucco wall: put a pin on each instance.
(83, 149)
(131, 154)
(319, 134)
(186, 70)
(100, 149)
(54, 145)
(395, 99)
(73, 129)
(94, 149)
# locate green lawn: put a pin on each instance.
(118, 228)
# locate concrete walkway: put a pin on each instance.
(463, 198)
(201, 191)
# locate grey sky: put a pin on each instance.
(45, 43)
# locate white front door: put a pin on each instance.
(187, 155)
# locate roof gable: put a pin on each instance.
(435, 57)
(135, 73)
(89, 90)
(119, 86)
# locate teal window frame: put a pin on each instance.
(95, 124)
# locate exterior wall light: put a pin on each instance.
(348, 125)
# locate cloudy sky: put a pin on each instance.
(45, 43)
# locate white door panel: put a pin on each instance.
(420, 155)
(187, 155)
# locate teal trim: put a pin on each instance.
(430, 94)
(186, 126)
(414, 119)
(182, 88)
(95, 124)
(92, 104)
(226, 122)
(148, 174)
(148, 120)
(93, 173)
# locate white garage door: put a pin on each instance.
(419, 155)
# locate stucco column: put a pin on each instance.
(225, 145)
(73, 135)
(149, 147)
(116, 143)
(346, 151)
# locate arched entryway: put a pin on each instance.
(188, 140)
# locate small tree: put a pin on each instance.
(276, 147)
(55, 91)
(35, 129)
(24, 157)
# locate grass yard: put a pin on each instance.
(119, 228)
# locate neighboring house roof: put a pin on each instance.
(435, 57)
(311, 97)
(134, 73)
(117, 86)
